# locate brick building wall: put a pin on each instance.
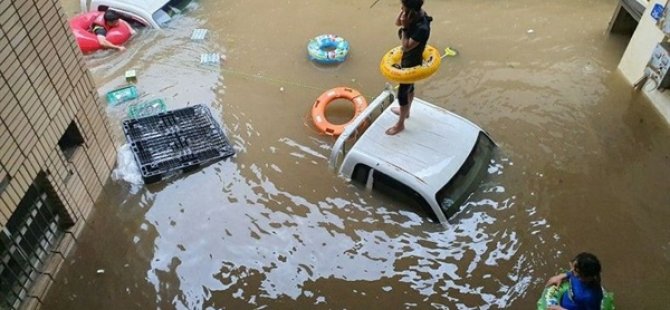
(54, 135)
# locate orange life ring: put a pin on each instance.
(319, 108)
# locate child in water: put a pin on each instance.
(585, 291)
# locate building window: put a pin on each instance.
(70, 140)
(31, 233)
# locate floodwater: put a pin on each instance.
(583, 165)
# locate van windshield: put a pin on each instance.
(452, 195)
(170, 9)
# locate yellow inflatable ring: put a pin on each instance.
(390, 66)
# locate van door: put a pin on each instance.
(362, 175)
(371, 179)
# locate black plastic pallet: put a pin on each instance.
(175, 141)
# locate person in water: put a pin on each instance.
(109, 21)
(585, 291)
(414, 32)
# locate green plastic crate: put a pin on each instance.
(147, 108)
(121, 95)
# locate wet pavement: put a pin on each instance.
(582, 166)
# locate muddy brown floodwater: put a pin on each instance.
(583, 165)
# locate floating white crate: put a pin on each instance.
(210, 59)
(198, 34)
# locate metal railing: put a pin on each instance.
(339, 147)
(26, 242)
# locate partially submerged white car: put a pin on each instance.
(149, 13)
(434, 164)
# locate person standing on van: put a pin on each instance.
(414, 32)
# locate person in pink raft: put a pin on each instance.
(100, 30)
(109, 21)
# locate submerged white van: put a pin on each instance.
(434, 164)
(149, 13)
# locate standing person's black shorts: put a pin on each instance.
(403, 93)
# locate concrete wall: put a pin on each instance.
(637, 54)
(44, 88)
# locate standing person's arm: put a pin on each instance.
(398, 20)
(407, 42)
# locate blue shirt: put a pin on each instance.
(581, 296)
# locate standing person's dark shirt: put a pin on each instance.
(419, 32)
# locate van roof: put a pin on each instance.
(149, 6)
(427, 154)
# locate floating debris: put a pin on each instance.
(121, 95)
(198, 34)
(131, 76)
(449, 51)
(176, 141)
(148, 108)
(210, 59)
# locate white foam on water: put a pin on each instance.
(126, 167)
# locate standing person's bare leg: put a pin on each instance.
(396, 110)
(400, 125)
(410, 98)
(409, 104)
